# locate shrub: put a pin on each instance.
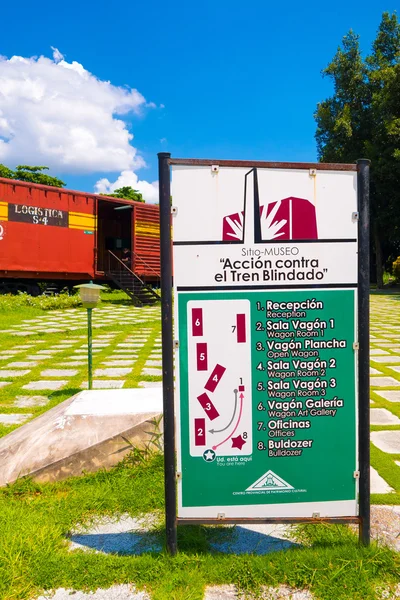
(396, 268)
(10, 302)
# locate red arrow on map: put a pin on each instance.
(241, 397)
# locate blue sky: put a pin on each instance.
(229, 79)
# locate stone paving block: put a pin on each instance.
(387, 441)
(63, 346)
(22, 364)
(45, 385)
(384, 382)
(129, 345)
(150, 384)
(104, 384)
(386, 359)
(153, 363)
(375, 351)
(28, 401)
(397, 462)
(382, 416)
(14, 419)
(40, 357)
(4, 383)
(8, 352)
(59, 373)
(13, 373)
(119, 363)
(47, 351)
(23, 333)
(115, 592)
(374, 371)
(390, 395)
(112, 372)
(24, 347)
(148, 371)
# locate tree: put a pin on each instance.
(362, 120)
(128, 193)
(32, 174)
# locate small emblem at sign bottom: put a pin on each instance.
(209, 455)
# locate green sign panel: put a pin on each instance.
(265, 282)
(280, 429)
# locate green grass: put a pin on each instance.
(35, 521)
(12, 313)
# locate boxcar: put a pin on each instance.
(59, 235)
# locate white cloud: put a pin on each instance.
(57, 113)
(129, 178)
(57, 56)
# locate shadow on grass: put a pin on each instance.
(191, 540)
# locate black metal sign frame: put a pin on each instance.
(363, 519)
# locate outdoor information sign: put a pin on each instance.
(265, 262)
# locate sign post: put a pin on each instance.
(271, 285)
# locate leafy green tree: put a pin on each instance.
(362, 120)
(31, 174)
(6, 172)
(128, 193)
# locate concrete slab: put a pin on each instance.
(123, 535)
(260, 539)
(384, 382)
(119, 363)
(75, 436)
(45, 385)
(382, 416)
(390, 395)
(72, 363)
(386, 360)
(129, 345)
(374, 371)
(153, 363)
(150, 384)
(397, 462)
(28, 401)
(13, 419)
(112, 372)
(148, 371)
(116, 592)
(378, 484)
(4, 383)
(13, 373)
(59, 373)
(375, 351)
(387, 441)
(104, 384)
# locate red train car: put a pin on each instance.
(58, 235)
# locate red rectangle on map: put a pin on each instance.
(199, 432)
(208, 406)
(241, 328)
(197, 321)
(215, 378)
(241, 388)
(201, 355)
